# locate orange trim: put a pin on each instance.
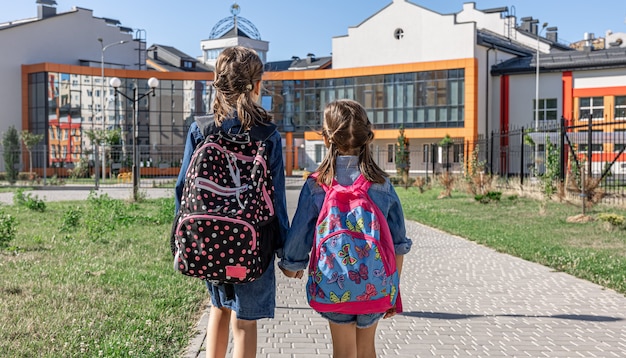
(600, 91)
(568, 95)
(113, 72)
(371, 70)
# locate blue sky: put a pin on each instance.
(297, 27)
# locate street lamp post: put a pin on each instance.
(537, 78)
(537, 95)
(104, 48)
(153, 83)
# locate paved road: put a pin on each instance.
(460, 300)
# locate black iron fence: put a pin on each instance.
(593, 150)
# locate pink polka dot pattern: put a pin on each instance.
(227, 197)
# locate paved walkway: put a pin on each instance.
(460, 300)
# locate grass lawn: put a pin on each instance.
(594, 251)
(94, 278)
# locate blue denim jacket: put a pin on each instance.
(300, 238)
(277, 168)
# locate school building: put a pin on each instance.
(464, 75)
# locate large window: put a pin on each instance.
(620, 107)
(593, 106)
(547, 109)
(429, 99)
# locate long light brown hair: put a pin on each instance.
(237, 71)
(348, 131)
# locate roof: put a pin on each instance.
(300, 64)
(564, 61)
(170, 59)
(491, 39)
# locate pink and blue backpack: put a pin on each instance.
(352, 269)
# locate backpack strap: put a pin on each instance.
(360, 184)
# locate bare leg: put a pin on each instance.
(244, 337)
(366, 341)
(217, 333)
(344, 340)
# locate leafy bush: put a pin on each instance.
(613, 219)
(29, 201)
(71, 219)
(488, 197)
(7, 229)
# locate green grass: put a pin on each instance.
(594, 251)
(95, 278)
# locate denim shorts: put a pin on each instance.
(362, 320)
(253, 300)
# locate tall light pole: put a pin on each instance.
(153, 83)
(104, 48)
(537, 78)
(543, 26)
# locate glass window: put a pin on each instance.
(620, 107)
(390, 152)
(593, 106)
(547, 109)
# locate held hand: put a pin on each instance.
(292, 274)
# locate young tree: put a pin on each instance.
(403, 160)
(11, 144)
(30, 140)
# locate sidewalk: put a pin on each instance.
(460, 300)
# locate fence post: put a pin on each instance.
(521, 159)
(562, 151)
(490, 153)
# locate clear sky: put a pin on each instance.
(298, 27)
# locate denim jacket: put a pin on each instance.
(302, 232)
(277, 168)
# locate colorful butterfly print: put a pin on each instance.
(329, 260)
(370, 291)
(344, 298)
(359, 225)
(375, 225)
(322, 228)
(333, 242)
(334, 222)
(363, 251)
(317, 276)
(314, 291)
(393, 292)
(344, 253)
(357, 276)
(381, 274)
(377, 257)
(338, 279)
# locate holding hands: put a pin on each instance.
(292, 274)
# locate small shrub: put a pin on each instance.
(71, 219)
(7, 229)
(29, 201)
(613, 219)
(488, 197)
(421, 183)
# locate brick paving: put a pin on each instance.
(460, 300)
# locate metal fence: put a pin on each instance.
(521, 156)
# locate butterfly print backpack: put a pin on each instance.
(223, 231)
(352, 269)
